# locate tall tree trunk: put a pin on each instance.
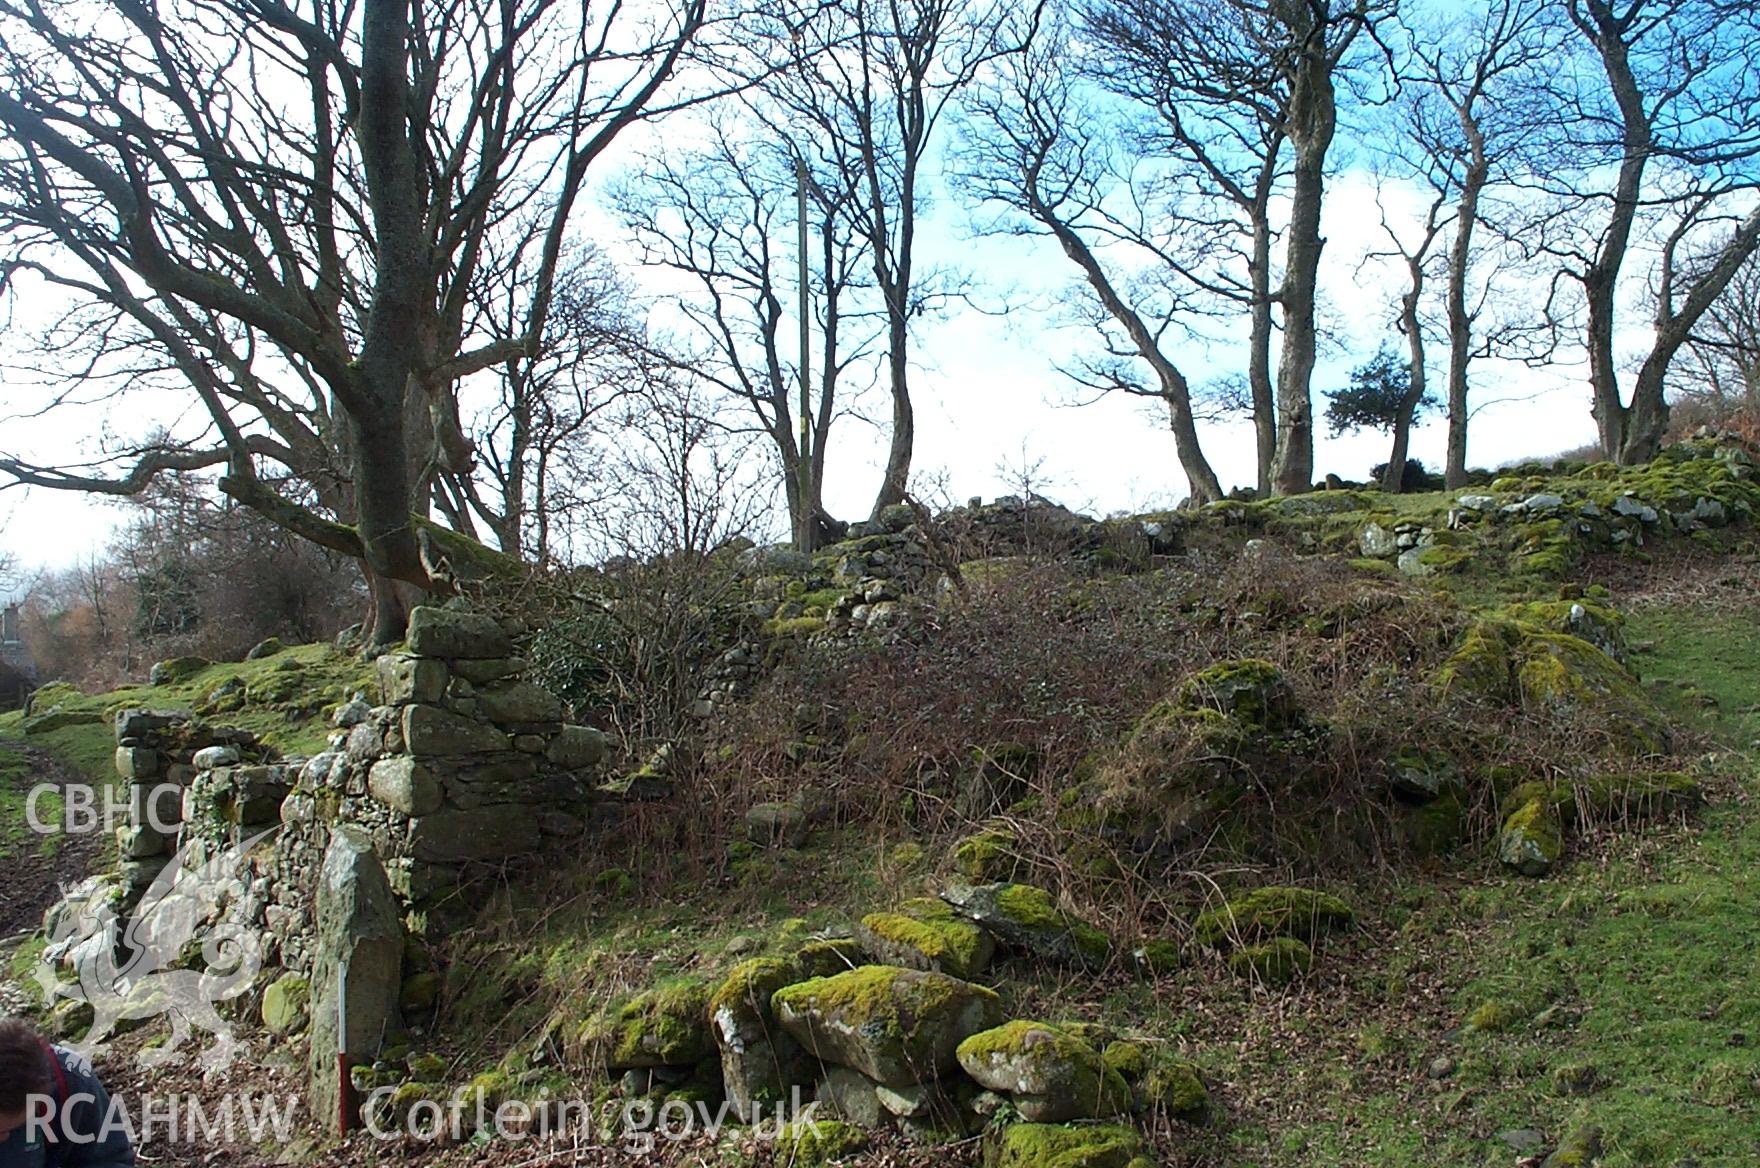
(1259, 352)
(510, 529)
(1646, 421)
(1201, 482)
(1460, 339)
(1312, 116)
(1601, 279)
(1393, 480)
(1460, 321)
(904, 419)
(383, 518)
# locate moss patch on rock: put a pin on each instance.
(819, 1142)
(1050, 1074)
(667, 1026)
(1524, 664)
(1275, 962)
(1532, 838)
(1027, 919)
(1270, 912)
(1044, 1145)
(1250, 690)
(898, 1026)
(927, 934)
(987, 856)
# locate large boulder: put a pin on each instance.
(896, 1026)
(1049, 1074)
(926, 934)
(360, 932)
(759, 1060)
(1027, 919)
(1524, 664)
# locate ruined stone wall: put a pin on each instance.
(462, 765)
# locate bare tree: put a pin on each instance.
(1469, 123)
(242, 197)
(723, 215)
(1675, 116)
(874, 82)
(1414, 251)
(1041, 152)
(1237, 82)
(1722, 356)
(594, 353)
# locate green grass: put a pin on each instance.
(1703, 665)
(15, 784)
(288, 698)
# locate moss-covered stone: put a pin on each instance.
(1524, 664)
(830, 955)
(1045, 1145)
(1129, 1059)
(759, 1062)
(287, 1004)
(897, 1026)
(1418, 775)
(1272, 911)
(1579, 1149)
(926, 934)
(987, 856)
(1027, 919)
(1250, 690)
(1532, 838)
(1598, 624)
(667, 1026)
(1275, 962)
(1434, 828)
(810, 1144)
(1049, 1074)
(1175, 1088)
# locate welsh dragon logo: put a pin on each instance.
(141, 968)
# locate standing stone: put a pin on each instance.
(358, 928)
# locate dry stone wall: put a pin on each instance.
(461, 767)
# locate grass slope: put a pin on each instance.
(285, 699)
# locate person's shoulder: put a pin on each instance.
(73, 1062)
